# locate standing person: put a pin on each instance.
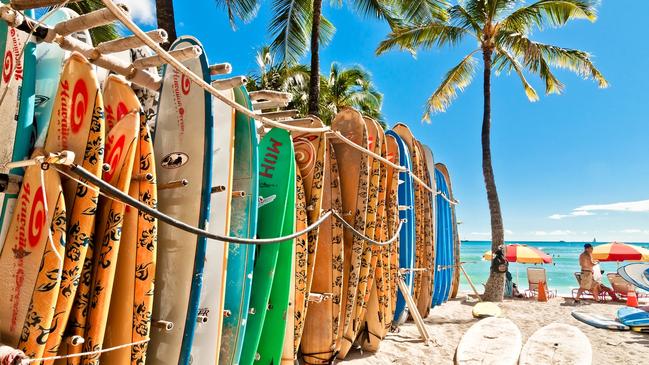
(587, 281)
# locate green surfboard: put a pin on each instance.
(276, 185)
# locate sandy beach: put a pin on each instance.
(446, 325)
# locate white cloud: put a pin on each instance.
(577, 213)
(635, 206)
(142, 11)
(509, 231)
(557, 232)
(635, 230)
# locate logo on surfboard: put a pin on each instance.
(174, 160)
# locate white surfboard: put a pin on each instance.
(183, 146)
(491, 341)
(557, 344)
(207, 336)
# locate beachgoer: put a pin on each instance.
(587, 281)
(605, 289)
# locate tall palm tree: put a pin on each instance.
(502, 29)
(166, 20)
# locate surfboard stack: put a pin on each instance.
(84, 272)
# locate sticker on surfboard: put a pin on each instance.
(174, 160)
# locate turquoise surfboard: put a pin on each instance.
(243, 223)
(276, 179)
(450, 232)
(444, 242)
(407, 234)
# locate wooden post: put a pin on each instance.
(470, 282)
(412, 306)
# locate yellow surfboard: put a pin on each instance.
(393, 222)
(120, 154)
(129, 318)
(31, 260)
(77, 125)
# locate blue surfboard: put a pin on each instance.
(444, 242)
(407, 234)
(633, 317)
(450, 233)
(243, 223)
(636, 273)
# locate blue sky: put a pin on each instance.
(569, 167)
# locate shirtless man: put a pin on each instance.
(587, 282)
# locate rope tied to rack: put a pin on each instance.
(364, 237)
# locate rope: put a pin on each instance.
(128, 200)
(51, 358)
(122, 16)
(364, 237)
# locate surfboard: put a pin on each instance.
(30, 261)
(183, 143)
(599, 321)
(354, 184)
(149, 99)
(121, 145)
(444, 242)
(16, 109)
(321, 327)
(78, 126)
(207, 335)
(636, 274)
(485, 309)
(276, 187)
(132, 298)
(633, 317)
(243, 223)
(378, 307)
(492, 340)
(418, 205)
(453, 245)
(310, 150)
(119, 100)
(271, 342)
(428, 256)
(557, 343)
(393, 217)
(368, 260)
(429, 173)
(297, 293)
(406, 239)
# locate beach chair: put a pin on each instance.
(602, 295)
(534, 276)
(621, 286)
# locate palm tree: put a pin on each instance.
(99, 34)
(166, 20)
(501, 28)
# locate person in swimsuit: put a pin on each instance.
(587, 281)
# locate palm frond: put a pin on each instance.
(549, 12)
(327, 30)
(458, 78)
(245, 10)
(418, 11)
(99, 34)
(552, 84)
(477, 9)
(460, 17)
(533, 53)
(494, 8)
(426, 36)
(504, 60)
(290, 28)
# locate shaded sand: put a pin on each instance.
(447, 323)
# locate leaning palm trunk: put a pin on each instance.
(314, 78)
(496, 283)
(166, 20)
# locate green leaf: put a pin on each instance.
(549, 12)
(504, 60)
(246, 10)
(458, 78)
(290, 28)
(426, 36)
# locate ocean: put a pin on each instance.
(565, 262)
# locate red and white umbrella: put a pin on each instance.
(618, 252)
(522, 254)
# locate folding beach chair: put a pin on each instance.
(602, 294)
(534, 276)
(621, 286)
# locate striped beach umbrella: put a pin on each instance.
(523, 254)
(618, 252)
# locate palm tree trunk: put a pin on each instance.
(166, 20)
(495, 286)
(314, 79)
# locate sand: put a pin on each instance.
(448, 322)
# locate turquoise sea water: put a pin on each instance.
(560, 272)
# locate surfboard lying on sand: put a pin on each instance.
(636, 274)
(492, 340)
(599, 321)
(557, 343)
(633, 317)
(183, 154)
(485, 309)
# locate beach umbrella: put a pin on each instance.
(522, 254)
(618, 252)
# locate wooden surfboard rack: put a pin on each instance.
(412, 306)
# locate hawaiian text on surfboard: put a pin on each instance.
(270, 159)
(12, 57)
(79, 105)
(181, 87)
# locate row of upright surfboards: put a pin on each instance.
(83, 272)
